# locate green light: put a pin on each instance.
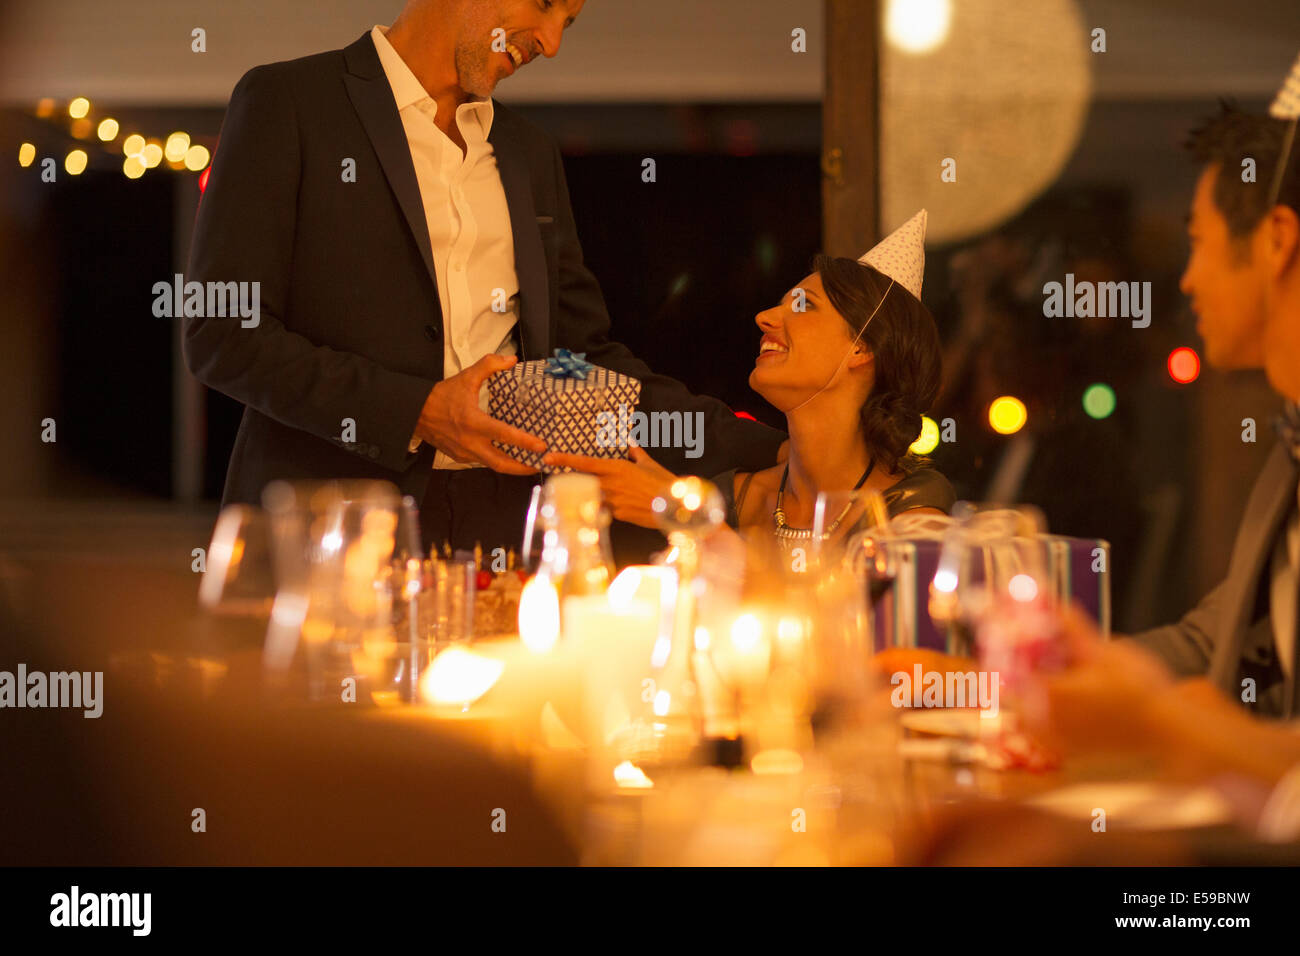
(1099, 401)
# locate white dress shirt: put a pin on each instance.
(469, 223)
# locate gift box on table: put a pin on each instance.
(574, 406)
(1078, 571)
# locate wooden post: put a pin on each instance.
(851, 128)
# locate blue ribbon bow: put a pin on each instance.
(566, 364)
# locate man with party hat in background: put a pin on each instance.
(851, 357)
(1243, 280)
(1239, 645)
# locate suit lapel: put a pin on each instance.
(530, 257)
(1270, 500)
(367, 86)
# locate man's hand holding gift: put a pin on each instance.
(452, 421)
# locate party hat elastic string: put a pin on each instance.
(847, 352)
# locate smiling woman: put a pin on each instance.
(851, 357)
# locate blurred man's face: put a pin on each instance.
(1225, 281)
(531, 28)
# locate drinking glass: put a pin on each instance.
(239, 574)
(333, 542)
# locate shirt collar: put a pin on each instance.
(407, 90)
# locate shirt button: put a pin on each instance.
(433, 333)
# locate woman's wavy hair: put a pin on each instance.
(908, 359)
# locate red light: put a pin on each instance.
(203, 179)
(1184, 365)
(746, 415)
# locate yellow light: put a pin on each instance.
(151, 155)
(133, 167)
(622, 590)
(75, 164)
(789, 632)
(459, 677)
(79, 107)
(1007, 415)
(745, 633)
(663, 701)
(177, 145)
(196, 158)
(81, 128)
(108, 130)
(928, 440)
(918, 26)
(539, 614)
(629, 776)
(45, 108)
(26, 155)
(133, 145)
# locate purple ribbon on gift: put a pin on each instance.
(566, 364)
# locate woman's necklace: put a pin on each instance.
(783, 530)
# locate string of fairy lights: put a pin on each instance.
(140, 154)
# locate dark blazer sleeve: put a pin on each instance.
(1188, 646)
(245, 232)
(582, 324)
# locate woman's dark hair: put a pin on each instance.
(905, 342)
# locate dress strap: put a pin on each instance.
(744, 489)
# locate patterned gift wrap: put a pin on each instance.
(560, 400)
(902, 617)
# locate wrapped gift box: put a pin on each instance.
(902, 617)
(573, 405)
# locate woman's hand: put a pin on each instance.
(629, 487)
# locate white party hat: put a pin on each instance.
(901, 254)
(1286, 105)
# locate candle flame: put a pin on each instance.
(459, 677)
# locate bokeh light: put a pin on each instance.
(917, 26)
(928, 440)
(133, 167)
(1184, 365)
(45, 108)
(26, 155)
(79, 107)
(1099, 400)
(196, 158)
(177, 145)
(133, 145)
(75, 164)
(1007, 415)
(81, 128)
(151, 155)
(108, 130)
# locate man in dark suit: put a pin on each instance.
(1243, 279)
(410, 237)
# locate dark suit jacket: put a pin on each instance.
(1229, 635)
(351, 325)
